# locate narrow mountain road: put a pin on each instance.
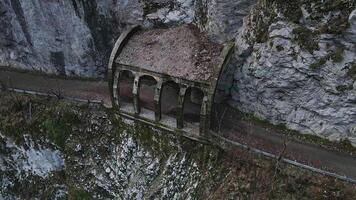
(96, 91)
(238, 132)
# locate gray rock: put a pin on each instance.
(282, 82)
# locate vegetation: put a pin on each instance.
(352, 71)
(343, 88)
(336, 56)
(79, 194)
(290, 9)
(306, 38)
(307, 35)
(318, 64)
(219, 174)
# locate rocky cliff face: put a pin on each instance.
(294, 62)
(297, 66)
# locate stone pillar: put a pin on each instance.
(135, 93)
(180, 107)
(204, 116)
(157, 100)
(116, 88)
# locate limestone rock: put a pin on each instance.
(296, 72)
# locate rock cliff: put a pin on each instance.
(297, 63)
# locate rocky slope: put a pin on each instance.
(294, 62)
(52, 149)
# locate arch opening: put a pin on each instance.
(192, 105)
(169, 98)
(125, 87)
(147, 91)
(147, 87)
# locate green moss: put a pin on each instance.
(306, 38)
(290, 9)
(262, 35)
(337, 25)
(344, 88)
(78, 194)
(318, 64)
(143, 134)
(57, 131)
(352, 70)
(202, 12)
(262, 21)
(56, 122)
(337, 55)
(346, 144)
(153, 6)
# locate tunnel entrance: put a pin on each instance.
(167, 77)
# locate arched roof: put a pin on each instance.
(181, 52)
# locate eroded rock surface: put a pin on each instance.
(296, 66)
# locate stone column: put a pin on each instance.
(157, 100)
(180, 107)
(116, 88)
(135, 93)
(204, 116)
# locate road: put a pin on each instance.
(238, 131)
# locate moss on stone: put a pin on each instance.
(344, 88)
(337, 25)
(78, 194)
(318, 64)
(306, 38)
(152, 6)
(337, 55)
(290, 9)
(57, 131)
(352, 70)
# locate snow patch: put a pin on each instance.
(38, 161)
